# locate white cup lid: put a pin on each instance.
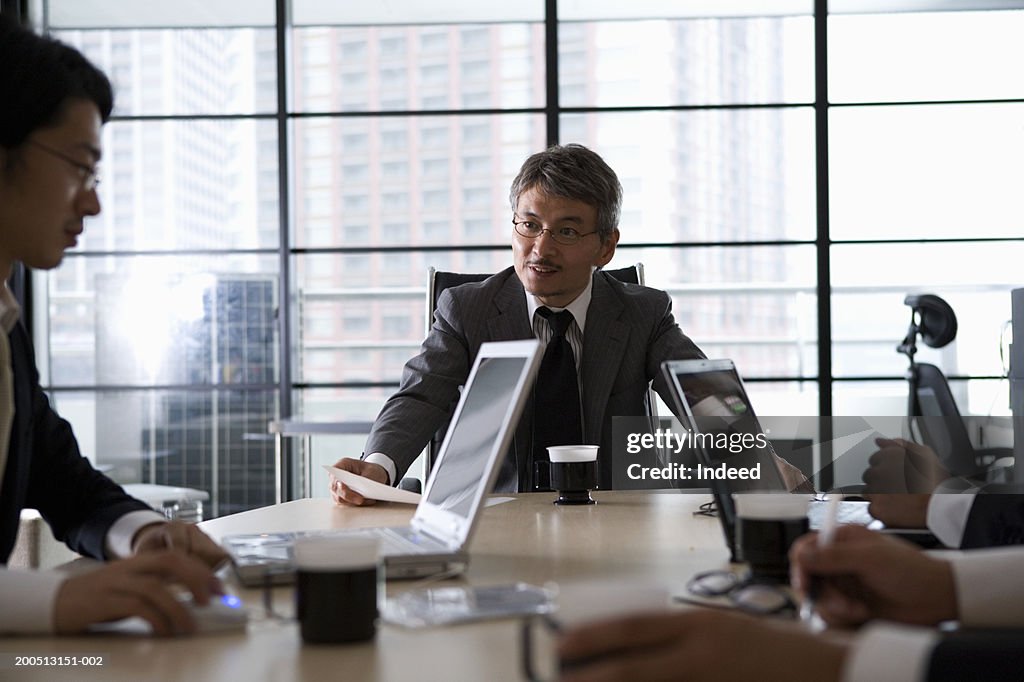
(573, 453)
(326, 552)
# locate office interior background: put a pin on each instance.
(278, 177)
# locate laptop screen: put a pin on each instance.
(712, 397)
(463, 464)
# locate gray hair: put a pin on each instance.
(574, 172)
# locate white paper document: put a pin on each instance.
(385, 493)
(372, 489)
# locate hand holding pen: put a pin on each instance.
(824, 540)
(861, 575)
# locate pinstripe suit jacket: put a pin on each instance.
(630, 331)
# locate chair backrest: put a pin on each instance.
(939, 422)
(439, 280)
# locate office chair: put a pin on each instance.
(439, 280)
(931, 407)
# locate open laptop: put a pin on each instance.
(709, 395)
(437, 539)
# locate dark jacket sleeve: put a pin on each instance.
(996, 518)
(980, 656)
(50, 474)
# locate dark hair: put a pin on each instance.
(38, 75)
(574, 172)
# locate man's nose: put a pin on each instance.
(545, 243)
(89, 202)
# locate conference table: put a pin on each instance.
(626, 538)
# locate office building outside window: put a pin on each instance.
(396, 141)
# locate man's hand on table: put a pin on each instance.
(698, 645)
(178, 536)
(138, 586)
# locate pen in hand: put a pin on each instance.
(826, 534)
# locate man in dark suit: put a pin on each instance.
(566, 203)
(54, 104)
(863, 579)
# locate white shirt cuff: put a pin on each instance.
(383, 460)
(947, 516)
(118, 543)
(988, 591)
(30, 598)
(890, 652)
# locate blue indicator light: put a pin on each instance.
(231, 600)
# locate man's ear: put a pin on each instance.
(607, 250)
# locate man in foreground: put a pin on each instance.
(54, 105)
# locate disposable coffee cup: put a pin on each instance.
(578, 604)
(336, 583)
(573, 472)
(766, 526)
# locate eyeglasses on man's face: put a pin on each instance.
(565, 234)
(89, 175)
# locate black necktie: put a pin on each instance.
(557, 404)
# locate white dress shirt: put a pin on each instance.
(989, 594)
(947, 516)
(29, 597)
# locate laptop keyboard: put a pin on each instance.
(850, 512)
(405, 541)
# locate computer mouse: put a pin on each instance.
(224, 613)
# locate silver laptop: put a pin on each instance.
(709, 394)
(437, 539)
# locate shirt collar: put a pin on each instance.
(10, 311)
(578, 307)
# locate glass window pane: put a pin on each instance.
(305, 12)
(103, 13)
(783, 398)
(411, 68)
(869, 398)
(443, 180)
(755, 305)
(924, 56)
(693, 61)
(707, 175)
(186, 71)
(640, 9)
(869, 319)
(926, 171)
(363, 315)
(161, 320)
(192, 184)
(215, 441)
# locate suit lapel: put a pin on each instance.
(604, 343)
(508, 322)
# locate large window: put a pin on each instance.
(264, 242)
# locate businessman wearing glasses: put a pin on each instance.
(54, 105)
(566, 202)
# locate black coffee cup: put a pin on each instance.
(573, 472)
(336, 583)
(766, 526)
